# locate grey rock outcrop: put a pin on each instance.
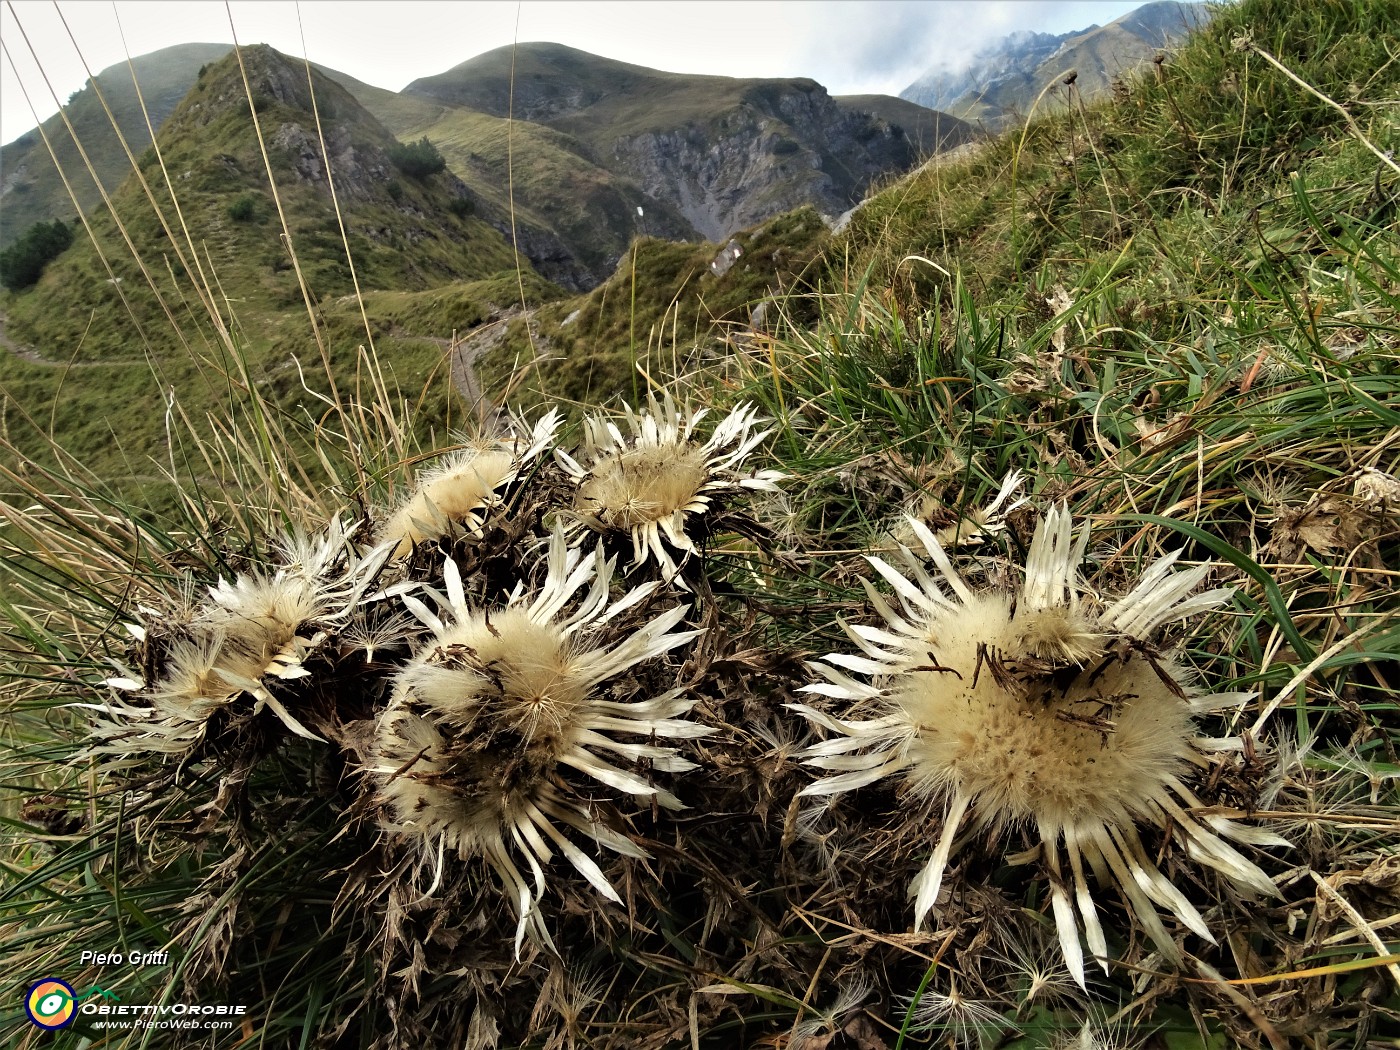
(721, 153)
(786, 145)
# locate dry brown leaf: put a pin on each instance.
(1153, 435)
(1377, 490)
(1059, 302)
(1326, 526)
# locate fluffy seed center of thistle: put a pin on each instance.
(201, 682)
(1096, 749)
(642, 485)
(515, 684)
(245, 652)
(467, 486)
(1058, 634)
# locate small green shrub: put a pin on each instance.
(461, 207)
(244, 208)
(394, 190)
(418, 159)
(22, 264)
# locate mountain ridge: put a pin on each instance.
(727, 152)
(619, 150)
(211, 152)
(31, 190)
(1006, 78)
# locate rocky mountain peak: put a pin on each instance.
(288, 100)
(723, 152)
(1003, 79)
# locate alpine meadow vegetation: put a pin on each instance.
(990, 642)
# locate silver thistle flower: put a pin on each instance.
(499, 702)
(648, 482)
(258, 627)
(455, 493)
(1038, 709)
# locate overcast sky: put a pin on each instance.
(849, 46)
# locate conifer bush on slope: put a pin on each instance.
(23, 262)
(1214, 385)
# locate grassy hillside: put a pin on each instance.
(663, 312)
(1166, 179)
(573, 217)
(1158, 798)
(401, 113)
(928, 130)
(557, 191)
(211, 151)
(32, 190)
(129, 299)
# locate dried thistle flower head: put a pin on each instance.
(647, 483)
(500, 707)
(1376, 490)
(960, 1020)
(259, 627)
(455, 492)
(1042, 711)
(970, 528)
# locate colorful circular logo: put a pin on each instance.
(51, 1003)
